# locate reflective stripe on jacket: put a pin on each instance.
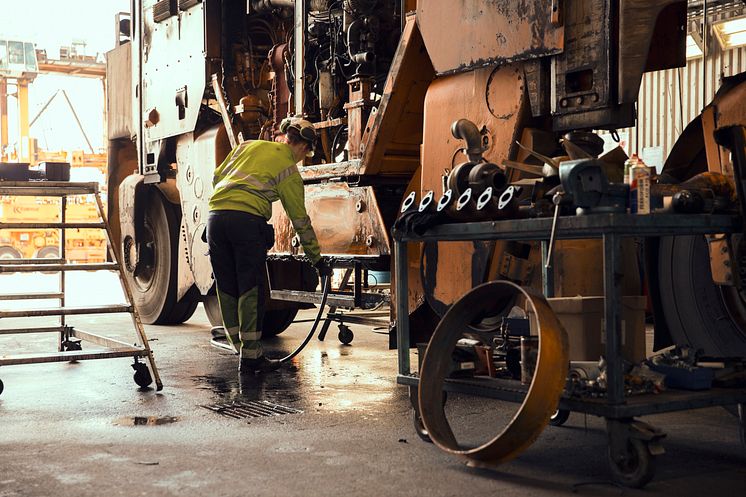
(257, 173)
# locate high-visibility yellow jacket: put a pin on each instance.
(257, 173)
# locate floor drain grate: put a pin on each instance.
(251, 409)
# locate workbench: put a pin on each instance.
(615, 407)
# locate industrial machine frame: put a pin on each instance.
(618, 409)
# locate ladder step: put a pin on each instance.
(66, 311)
(46, 188)
(31, 268)
(50, 226)
(16, 262)
(20, 331)
(71, 356)
(32, 296)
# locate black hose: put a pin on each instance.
(326, 283)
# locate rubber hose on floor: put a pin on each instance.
(326, 284)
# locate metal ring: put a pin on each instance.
(445, 200)
(484, 198)
(506, 197)
(426, 201)
(408, 202)
(464, 199)
(543, 394)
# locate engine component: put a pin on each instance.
(543, 394)
(408, 202)
(588, 142)
(462, 204)
(445, 200)
(426, 201)
(463, 129)
(487, 175)
(587, 187)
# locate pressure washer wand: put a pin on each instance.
(326, 284)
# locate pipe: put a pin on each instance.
(463, 129)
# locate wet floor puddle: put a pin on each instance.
(145, 420)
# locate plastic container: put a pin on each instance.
(378, 277)
(529, 356)
(583, 319)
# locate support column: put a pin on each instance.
(3, 118)
(613, 318)
(25, 152)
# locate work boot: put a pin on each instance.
(258, 365)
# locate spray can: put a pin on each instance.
(633, 160)
(639, 188)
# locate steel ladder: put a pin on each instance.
(71, 338)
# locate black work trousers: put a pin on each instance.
(238, 244)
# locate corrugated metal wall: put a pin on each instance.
(670, 99)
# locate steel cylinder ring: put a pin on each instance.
(543, 394)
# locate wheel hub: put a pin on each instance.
(146, 253)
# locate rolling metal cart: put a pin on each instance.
(632, 444)
(71, 339)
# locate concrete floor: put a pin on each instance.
(67, 429)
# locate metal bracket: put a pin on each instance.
(721, 260)
(556, 11)
(515, 269)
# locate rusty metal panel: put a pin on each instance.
(493, 98)
(464, 34)
(391, 142)
(637, 24)
(346, 219)
(119, 93)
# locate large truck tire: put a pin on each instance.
(154, 280)
(8, 252)
(275, 321)
(698, 312)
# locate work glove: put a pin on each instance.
(323, 268)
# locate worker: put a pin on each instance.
(255, 174)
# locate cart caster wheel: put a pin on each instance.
(345, 334)
(559, 417)
(419, 428)
(638, 466)
(2, 387)
(142, 375)
(70, 346)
